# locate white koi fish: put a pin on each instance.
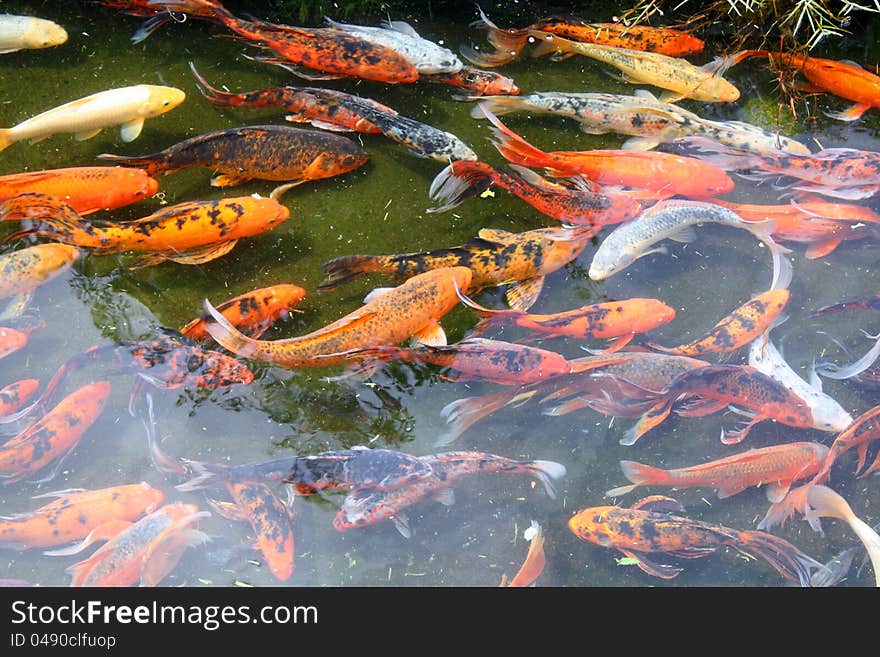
(127, 107)
(28, 33)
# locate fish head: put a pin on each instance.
(605, 263)
(501, 86)
(460, 151)
(791, 146)
(149, 498)
(718, 90)
(161, 99)
(830, 416)
(44, 34)
(442, 60)
(653, 313)
(593, 525)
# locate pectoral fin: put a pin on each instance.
(82, 136)
(432, 335)
(685, 235)
(205, 254)
(129, 131)
(640, 144)
(224, 180)
(823, 248)
(446, 497)
(279, 191)
(495, 235)
(852, 114)
(663, 571)
(524, 294)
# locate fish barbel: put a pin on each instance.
(675, 220)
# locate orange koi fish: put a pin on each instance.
(85, 189)
(344, 469)
(678, 77)
(495, 257)
(463, 179)
(389, 316)
(334, 52)
(54, 435)
(265, 152)
(510, 42)
(845, 79)
(663, 173)
(75, 513)
(775, 467)
(252, 313)
(477, 81)
(271, 520)
(367, 506)
(145, 552)
(304, 104)
(612, 319)
(533, 566)
(28, 268)
(821, 225)
(739, 328)
(646, 528)
(193, 232)
(715, 387)
(476, 359)
(14, 396)
(864, 430)
(11, 341)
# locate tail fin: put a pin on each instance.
(498, 105)
(149, 26)
(5, 139)
(345, 269)
(647, 422)
(782, 269)
(779, 512)
(790, 562)
(205, 475)
(462, 413)
(458, 182)
(488, 317)
(546, 472)
(214, 96)
(508, 44)
(226, 335)
(514, 148)
(639, 474)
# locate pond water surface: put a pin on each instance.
(381, 208)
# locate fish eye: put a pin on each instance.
(166, 103)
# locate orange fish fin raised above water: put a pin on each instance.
(853, 113)
(523, 294)
(431, 335)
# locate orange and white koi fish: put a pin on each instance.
(533, 566)
(389, 316)
(775, 467)
(75, 513)
(54, 435)
(85, 189)
(86, 117)
(29, 33)
(739, 328)
(647, 527)
(476, 80)
(252, 313)
(145, 552)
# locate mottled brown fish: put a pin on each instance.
(496, 257)
(32, 266)
(264, 152)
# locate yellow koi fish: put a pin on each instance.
(127, 107)
(28, 32)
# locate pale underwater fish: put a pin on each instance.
(28, 33)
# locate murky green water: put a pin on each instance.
(381, 209)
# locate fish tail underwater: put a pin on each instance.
(310, 348)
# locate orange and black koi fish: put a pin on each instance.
(334, 52)
(578, 207)
(819, 224)
(496, 257)
(477, 359)
(739, 328)
(864, 430)
(361, 467)
(193, 232)
(54, 435)
(264, 152)
(865, 303)
(533, 566)
(314, 105)
(16, 395)
(663, 173)
(367, 506)
(389, 316)
(252, 313)
(271, 520)
(28, 268)
(845, 79)
(75, 513)
(145, 552)
(510, 42)
(477, 81)
(610, 319)
(85, 189)
(647, 528)
(715, 387)
(775, 467)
